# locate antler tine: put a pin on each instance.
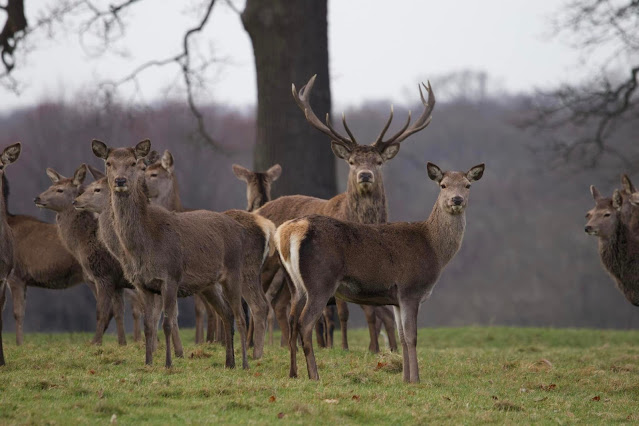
(347, 129)
(302, 100)
(381, 135)
(419, 124)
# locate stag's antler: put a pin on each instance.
(405, 131)
(302, 100)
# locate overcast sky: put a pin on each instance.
(378, 49)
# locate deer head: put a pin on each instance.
(629, 190)
(123, 165)
(454, 186)
(258, 185)
(63, 191)
(159, 175)
(365, 161)
(95, 197)
(603, 218)
(9, 155)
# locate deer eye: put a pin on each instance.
(60, 190)
(587, 215)
(154, 175)
(442, 186)
(133, 164)
(607, 214)
(468, 186)
(96, 190)
(108, 164)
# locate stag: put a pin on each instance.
(387, 264)
(365, 198)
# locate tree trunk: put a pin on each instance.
(290, 44)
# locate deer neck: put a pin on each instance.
(130, 211)
(171, 200)
(73, 225)
(618, 254)
(4, 191)
(366, 207)
(446, 232)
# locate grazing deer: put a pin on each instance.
(41, 260)
(618, 247)
(96, 200)
(162, 185)
(78, 232)
(389, 264)
(365, 198)
(175, 253)
(9, 155)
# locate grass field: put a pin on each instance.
(469, 375)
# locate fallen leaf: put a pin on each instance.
(494, 397)
(446, 398)
(331, 401)
(101, 393)
(381, 365)
(258, 364)
(271, 398)
(355, 398)
(91, 371)
(596, 398)
(280, 415)
(541, 399)
(507, 406)
(114, 419)
(523, 390)
(548, 388)
(258, 374)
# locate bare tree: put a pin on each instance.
(581, 119)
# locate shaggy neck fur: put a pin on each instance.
(260, 195)
(366, 207)
(445, 232)
(4, 209)
(171, 200)
(74, 225)
(619, 255)
(129, 218)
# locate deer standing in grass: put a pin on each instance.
(610, 221)
(163, 187)
(9, 155)
(174, 253)
(78, 231)
(389, 264)
(365, 198)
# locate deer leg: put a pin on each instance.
(117, 301)
(220, 304)
(342, 311)
(320, 331)
(2, 301)
(169, 305)
(281, 309)
(402, 339)
(386, 316)
(200, 311)
(313, 309)
(234, 296)
(329, 316)
(298, 300)
(150, 324)
(369, 312)
(104, 312)
(274, 289)
(19, 295)
(409, 322)
(256, 300)
(175, 335)
(137, 310)
(211, 323)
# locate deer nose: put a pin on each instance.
(365, 176)
(120, 181)
(458, 200)
(588, 229)
(74, 202)
(36, 200)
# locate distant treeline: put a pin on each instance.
(525, 259)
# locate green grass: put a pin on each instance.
(469, 375)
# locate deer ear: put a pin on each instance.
(595, 193)
(142, 148)
(340, 150)
(53, 175)
(434, 172)
(475, 173)
(241, 173)
(99, 149)
(79, 175)
(11, 153)
(274, 172)
(628, 187)
(390, 151)
(97, 174)
(167, 161)
(151, 158)
(617, 200)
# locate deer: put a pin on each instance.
(163, 186)
(365, 198)
(95, 200)
(78, 232)
(175, 253)
(618, 246)
(41, 260)
(325, 256)
(9, 155)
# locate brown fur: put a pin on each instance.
(335, 257)
(175, 254)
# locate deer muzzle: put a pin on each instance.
(120, 184)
